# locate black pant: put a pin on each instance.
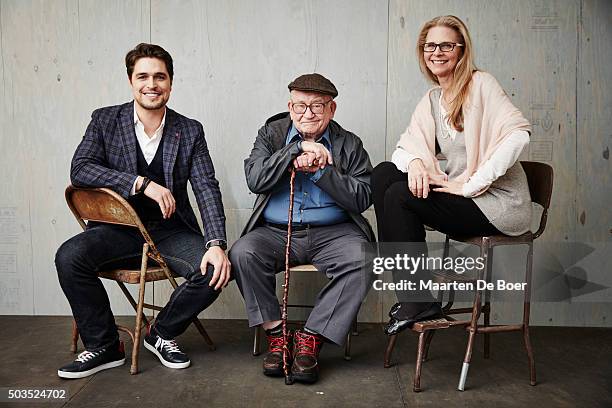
(104, 246)
(401, 217)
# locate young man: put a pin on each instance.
(145, 152)
(332, 189)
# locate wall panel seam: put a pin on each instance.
(2, 54)
(579, 27)
(387, 78)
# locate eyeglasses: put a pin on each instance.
(316, 108)
(444, 47)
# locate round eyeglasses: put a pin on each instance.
(316, 108)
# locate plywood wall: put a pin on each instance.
(233, 60)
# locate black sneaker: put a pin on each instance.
(167, 351)
(90, 362)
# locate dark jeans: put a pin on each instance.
(401, 217)
(104, 246)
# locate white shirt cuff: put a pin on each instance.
(133, 190)
(402, 159)
(498, 164)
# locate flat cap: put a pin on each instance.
(314, 83)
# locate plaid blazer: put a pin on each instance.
(106, 157)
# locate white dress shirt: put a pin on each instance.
(148, 145)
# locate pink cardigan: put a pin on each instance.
(488, 118)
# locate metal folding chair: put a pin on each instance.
(106, 206)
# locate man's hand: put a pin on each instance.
(163, 197)
(419, 179)
(222, 267)
(321, 153)
(306, 162)
(450, 187)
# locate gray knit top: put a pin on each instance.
(506, 203)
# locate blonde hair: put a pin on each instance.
(463, 70)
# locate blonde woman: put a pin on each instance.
(469, 119)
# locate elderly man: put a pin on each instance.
(146, 152)
(332, 189)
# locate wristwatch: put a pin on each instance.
(145, 183)
(217, 242)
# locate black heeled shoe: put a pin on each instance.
(395, 326)
(394, 309)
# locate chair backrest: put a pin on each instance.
(102, 205)
(540, 181)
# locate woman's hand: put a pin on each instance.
(450, 187)
(419, 179)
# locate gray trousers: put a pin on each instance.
(335, 250)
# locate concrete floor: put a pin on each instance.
(573, 366)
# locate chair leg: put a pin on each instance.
(416, 387)
(532, 370)
(466, 361)
(487, 306)
(257, 341)
(428, 338)
(352, 332)
(487, 337)
(347, 346)
(389, 350)
(139, 313)
(211, 345)
(473, 328)
(75, 337)
(526, 310)
(451, 300)
(132, 302)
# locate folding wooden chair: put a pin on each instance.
(106, 206)
(540, 181)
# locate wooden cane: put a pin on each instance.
(288, 378)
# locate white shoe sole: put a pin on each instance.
(164, 362)
(83, 374)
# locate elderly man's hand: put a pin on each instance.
(306, 162)
(321, 153)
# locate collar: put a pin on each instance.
(293, 134)
(159, 130)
